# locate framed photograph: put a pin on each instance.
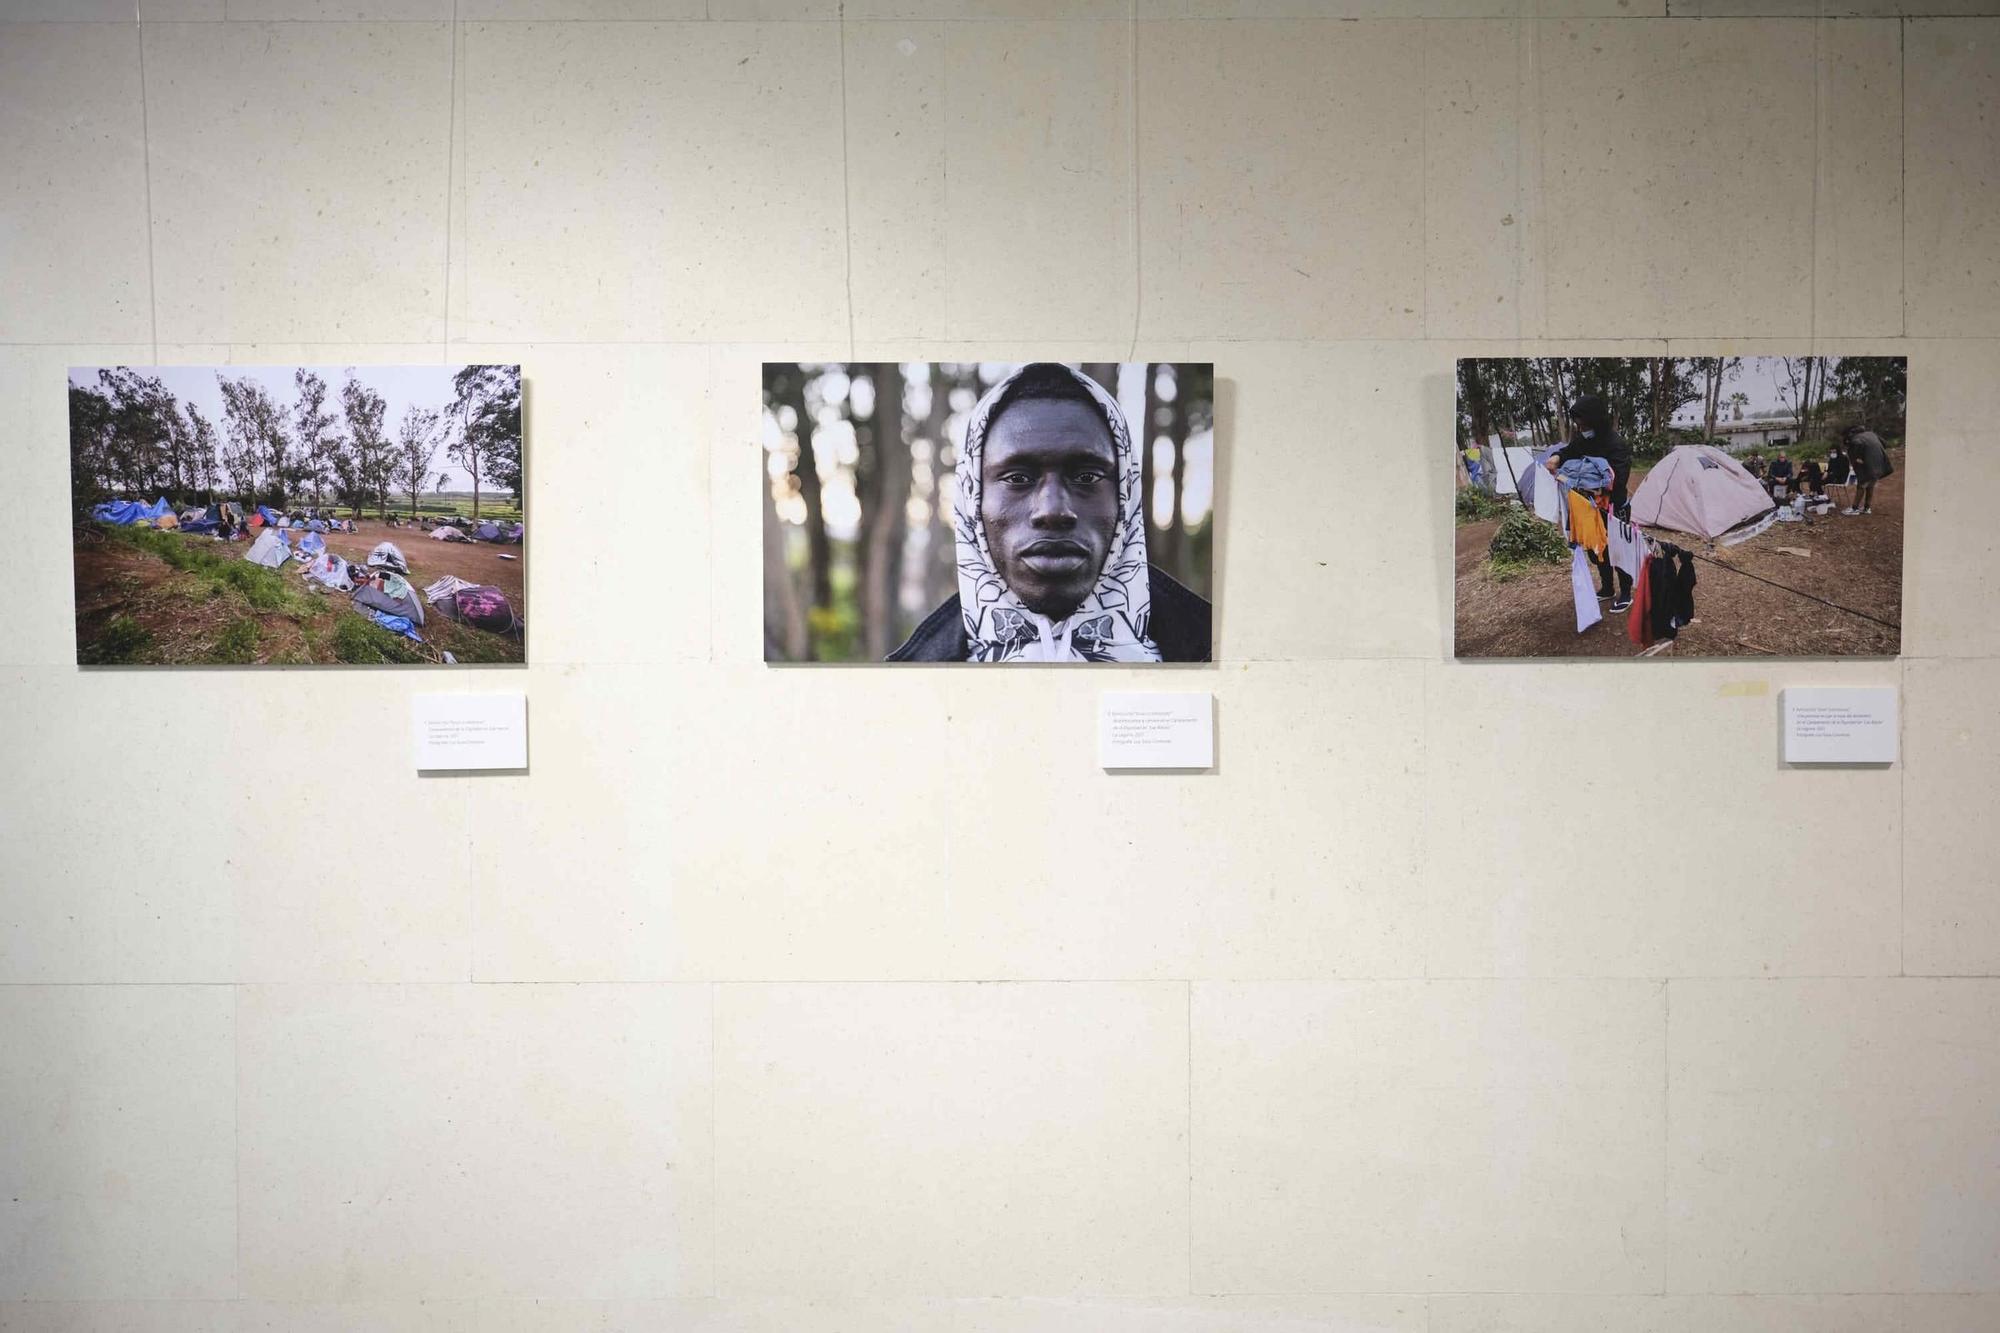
(297, 515)
(1679, 506)
(988, 511)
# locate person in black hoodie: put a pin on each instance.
(1597, 437)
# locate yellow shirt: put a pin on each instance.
(1586, 525)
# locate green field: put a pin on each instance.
(498, 507)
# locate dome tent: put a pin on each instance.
(269, 550)
(389, 556)
(1700, 489)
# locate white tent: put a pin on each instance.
(329, 569)
(269, 550)
(1505, 464)
(1700, 489)
(387, 555)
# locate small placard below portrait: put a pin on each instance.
(1155, 729)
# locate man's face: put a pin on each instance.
(1049, 500)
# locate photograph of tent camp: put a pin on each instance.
(1679, 506)
(298, 515)
(988, 511)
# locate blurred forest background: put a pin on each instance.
(859, 462)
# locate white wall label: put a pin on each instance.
(1851, 725)
(467, 731)
(1155, 729)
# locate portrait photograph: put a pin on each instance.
(298, 515)
(1679, 506)
(988, 512)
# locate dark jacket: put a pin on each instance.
(1871, 460)
(1670, 598)
(1181, 626)
(1605, 442)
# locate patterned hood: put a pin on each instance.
(1111, 624)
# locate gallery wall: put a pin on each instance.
(1458, 998)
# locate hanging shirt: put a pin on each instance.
(1586, 525)
(1683, 607)
(1627, 546)
(1580, 587)
(1548, 500)
(1660, 599)
(1638, 628)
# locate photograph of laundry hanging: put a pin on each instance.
(1679, 506)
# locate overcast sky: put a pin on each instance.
(400, 387)
(1757, 379)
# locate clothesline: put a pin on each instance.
(1654, 546)
(1796, 592)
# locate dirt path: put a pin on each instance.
(431, 559)
(1853, 562)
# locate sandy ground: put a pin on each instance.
(1855, 562)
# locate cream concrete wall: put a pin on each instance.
(711, 1023)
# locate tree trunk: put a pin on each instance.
(882, 551)
(1478, 407)
(941, 552)
(819, 550)
(785, 637)
(1142, 440)
(1175, 530)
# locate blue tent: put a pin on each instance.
(267, 515)
(118, 511)
(131, 511)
